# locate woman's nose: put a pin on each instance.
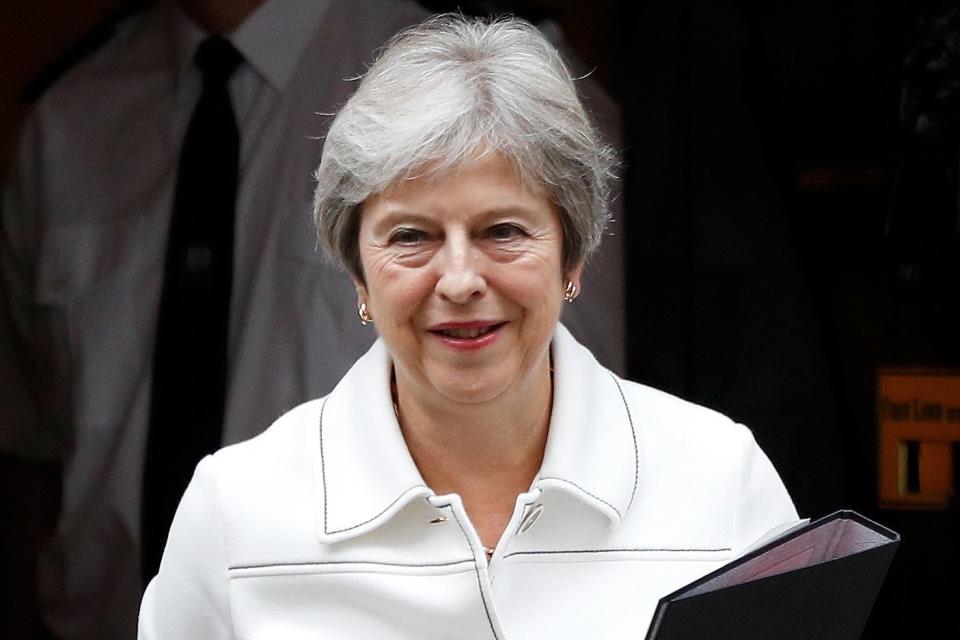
(461, 279)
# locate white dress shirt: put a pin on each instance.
(322, 527)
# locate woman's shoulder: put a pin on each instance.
(660, 414)
(653, 414)
(254, 502)
(665, 404)
(292, 438)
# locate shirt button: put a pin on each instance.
(531, 518)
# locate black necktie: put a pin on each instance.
(190, 357)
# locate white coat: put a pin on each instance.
(322, 527)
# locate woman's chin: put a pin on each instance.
(503, 378)
(466, 388)
(470, 395)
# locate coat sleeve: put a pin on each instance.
(762, 501)
(189, 597)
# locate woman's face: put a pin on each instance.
(464, 281)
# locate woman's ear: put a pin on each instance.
(571, 282)
(363, 307)
(361, 290)
(574, 275)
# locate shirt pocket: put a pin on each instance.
(74, 258)
(95, 298)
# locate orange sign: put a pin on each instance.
(918, 415)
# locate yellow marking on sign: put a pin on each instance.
(918, 421)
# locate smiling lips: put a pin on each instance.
(467, 335)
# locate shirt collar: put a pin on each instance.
(366, 475)
(272, 39)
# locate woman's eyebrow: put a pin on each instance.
(401, 216)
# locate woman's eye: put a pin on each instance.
(407, 236)
(505, 232)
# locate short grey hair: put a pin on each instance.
(453, 90)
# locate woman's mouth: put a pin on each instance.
(468, 335)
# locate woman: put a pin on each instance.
(477, 474)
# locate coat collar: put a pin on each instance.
(365, 474)
(592, 448)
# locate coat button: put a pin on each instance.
(531, 518)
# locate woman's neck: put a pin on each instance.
(487, 453)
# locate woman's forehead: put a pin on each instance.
(482, 164)
(485, 184)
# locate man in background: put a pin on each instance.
(92, 215)
(113, 306)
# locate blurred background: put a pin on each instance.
(792, 235)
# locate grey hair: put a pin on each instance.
(453, 90)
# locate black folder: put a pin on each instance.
(817, 581)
